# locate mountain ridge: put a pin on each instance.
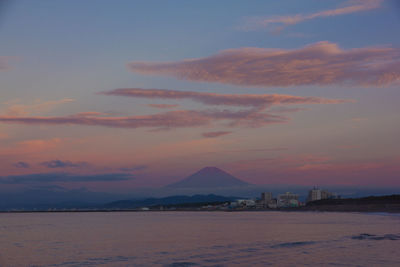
(209, 177)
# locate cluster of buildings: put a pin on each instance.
(266, 201)
(286, 200)
(318, 194)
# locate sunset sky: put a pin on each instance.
(117, 95)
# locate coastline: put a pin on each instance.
(300, 209)
(372, 204)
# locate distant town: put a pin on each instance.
(266, 201)
(317, 200)
(285, 200)
(209, 179)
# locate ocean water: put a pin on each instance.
(199, 239)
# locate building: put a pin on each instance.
(327, 195)
(245, 203)
(260, 205)
(288, 200)
(318, 194)
(266, 197)
(272, 204)
(314, 194)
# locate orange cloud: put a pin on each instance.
(322, 64)
(280, 22)
(247, 100)
(36, 145)
(16, 109)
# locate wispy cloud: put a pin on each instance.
(32, 147)
(257, 150)
(15, 108)
(63, 177)
(287, 110)
(321, 64)
(37, 145)
(215, 134)
(278, 23)
(245, 100)
(167, 120)
(90, 114)
(255, 116)
(63, 164)
(162, 106)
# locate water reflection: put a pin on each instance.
(199, 239)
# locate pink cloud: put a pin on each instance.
(215, 134)
(247, 100)
(171, 119)
(15, 108)
(287, 110)
(322, 64)
(253, 117)
(253, 150)
(31, 148)
(162, 106)
(37, 145)
(280, 22)
(90, 114)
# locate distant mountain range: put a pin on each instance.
(209, 184)
(209, 177)
(172, 200)
(206, 178)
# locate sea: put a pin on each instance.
(167, 238)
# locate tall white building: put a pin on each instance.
(318, 194)
(314, 194)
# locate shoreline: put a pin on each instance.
(205, 210)
(386, 204)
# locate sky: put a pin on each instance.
(130, 94)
